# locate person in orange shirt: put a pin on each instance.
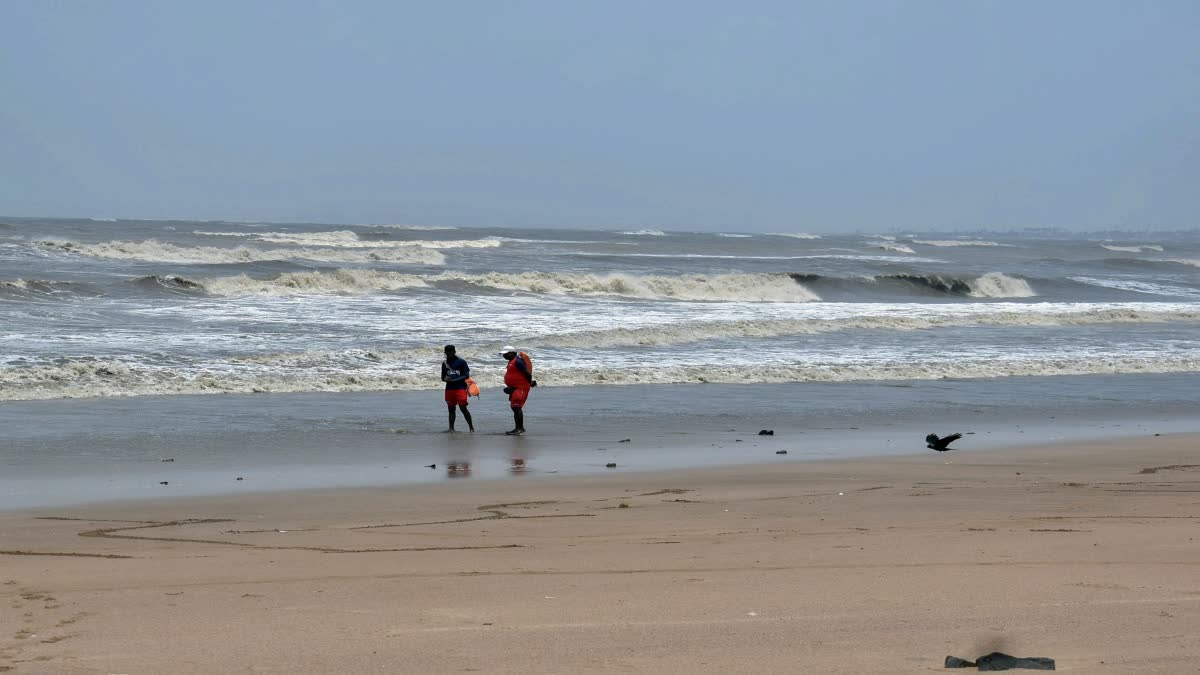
(518, 380)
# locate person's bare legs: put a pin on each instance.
(466, 416)
(450, 410)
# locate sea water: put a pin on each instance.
(309, 354)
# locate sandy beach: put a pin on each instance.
(1086, 553)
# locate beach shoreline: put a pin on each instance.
(95, 450)
(1085, 553)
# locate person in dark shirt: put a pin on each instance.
(455, 373)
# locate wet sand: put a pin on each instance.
(1087, 553)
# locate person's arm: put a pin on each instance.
(445, 368)
(464, 373)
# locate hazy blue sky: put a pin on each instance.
(689, 114)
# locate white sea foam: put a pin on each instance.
(997, 285)
(517, 240)
(896, 248)
(715, 287)
(731, 235)
(1140, 287)
(830, 256)
(795, 235)
(712, 288)
(957, 242)
(429, 228)
(644, 233)
(349, 239)
(153, 250)
(89, 378)
(1133, 249)
(1194, 262)
(339, 282)
(693, 332)
(224, 234)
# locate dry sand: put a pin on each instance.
(1087, 554)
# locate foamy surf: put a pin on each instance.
(118, 378)
(349, 239)
(417, 228)
(339, 282)
(895, 248)
(1135, 286)
(910, 318)
(996, 285)
(951, 243)
(725, 288)
(152, 250)
(1133, 249)
(717, 287)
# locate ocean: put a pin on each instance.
(313, 351)
(133, 308)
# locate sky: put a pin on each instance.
(679, 114)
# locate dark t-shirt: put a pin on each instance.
(456, 373)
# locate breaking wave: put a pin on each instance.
(644, 233)
(895, 248)
(795, 235)
(348, 239)
(37, 287)
(676, 334)
(344, 282)
(168, 282)
(957, 242)
(990, 285)
(1133, 249)
(996, 285)
(422, 228)
(153, 250)
(717, 287)
(731, 235)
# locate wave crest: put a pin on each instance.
(349, 239)
(676, 334)
(957, 242)
(717, 287)
(153, 250)
(990, 285)
(1133, 249)
(343, 282)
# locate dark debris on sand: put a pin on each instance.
(1001, 661)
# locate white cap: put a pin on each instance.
(507, 349)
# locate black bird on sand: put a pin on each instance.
(940, 444)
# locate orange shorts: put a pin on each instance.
(518, 397)
(456, 396)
